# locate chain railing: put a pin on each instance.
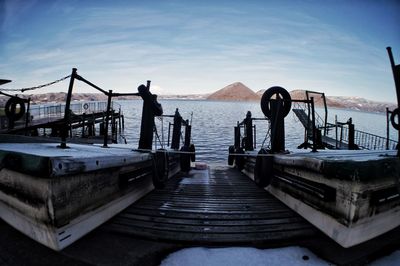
(37, 87)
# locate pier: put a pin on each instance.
(87, 122)
(215, 207)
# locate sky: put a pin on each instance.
(193, 47)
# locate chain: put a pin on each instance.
(37, 87)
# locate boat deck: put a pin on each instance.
(215, 207)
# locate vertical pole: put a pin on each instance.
(151, 108)
(249, 132)
(351, 136)
(188, 133)
(314, 149)
(255, 137)
(176, 130)
(326, 113)
(27, 115)
(67, 114)
(119, 121)
(107, 118)
(237, 136)
(277, 126)
(169, 132)
(396, 76)
(387, 128)
(83, 125)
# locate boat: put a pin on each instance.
(349, 192)
(56, 192)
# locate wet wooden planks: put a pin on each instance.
(217, 206)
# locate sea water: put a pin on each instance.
(213, 122)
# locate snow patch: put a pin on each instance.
(242, 256)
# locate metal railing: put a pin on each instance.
(53, 112)
(363, 140)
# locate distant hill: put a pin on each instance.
(234, 92)
(345, 102)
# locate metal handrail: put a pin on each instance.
(362, 139)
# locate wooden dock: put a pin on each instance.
(217, 207)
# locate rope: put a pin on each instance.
(37, 87)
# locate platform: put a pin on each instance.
(215, 206)
(221, 199)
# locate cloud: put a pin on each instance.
(194, 49)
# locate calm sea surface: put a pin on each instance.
(213, 122)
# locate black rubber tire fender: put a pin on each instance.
(263, 169)
(11, 105)
(395, 124)
(267, 96)
(160, 168)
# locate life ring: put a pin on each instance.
(395, 113)
(192, 149)
(184, 159)
(160, 168)
(279, 92)
(11, 107)
(231, 157)
(86, 106)
(239, 159)
(263, 169)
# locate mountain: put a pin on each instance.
(234, 92)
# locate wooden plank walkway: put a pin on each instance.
(217, 206)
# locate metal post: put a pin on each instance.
(255, 137)
(387, 128)
(277, 126)
(188, 133)
(249, 132)
(237, 136)
(67, 114)
(151, 108)
(396, 76)
(119, 121)
(107, 118)
(27, 115)
(83, 125)
(326, 114)
(351, 136)
(176, 130)
(314, 149)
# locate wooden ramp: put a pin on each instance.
(217, 206)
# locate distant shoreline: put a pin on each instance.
(346, 103)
